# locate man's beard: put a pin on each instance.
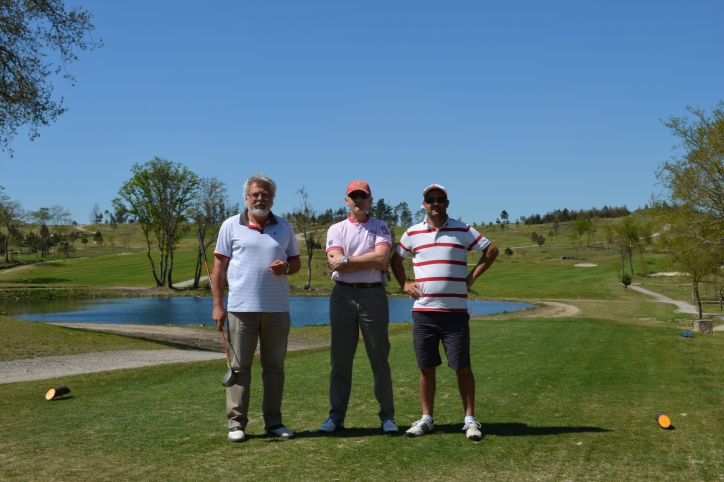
(260, 212)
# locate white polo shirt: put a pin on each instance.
(251, 249)
(440, 261)
(357, 239)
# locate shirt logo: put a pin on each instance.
(330, 243)
(385, 230)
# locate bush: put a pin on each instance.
(626, 280)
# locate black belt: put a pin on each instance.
(359, 285)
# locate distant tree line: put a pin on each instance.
(566, 215)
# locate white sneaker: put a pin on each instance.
(421, 427)
(472, 431)
(280, 431)
(330, 426)
(389, 426)
(236, 434)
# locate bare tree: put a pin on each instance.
(307, 223)
(208, 212)
(95, 215)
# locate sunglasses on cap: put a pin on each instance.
(432, 199)
(358, 195)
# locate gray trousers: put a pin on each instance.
(352, 310)
(272, 330)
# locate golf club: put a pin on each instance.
(231, 376)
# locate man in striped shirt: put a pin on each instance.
(439, 247)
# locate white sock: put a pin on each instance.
(469, 418)
(427, 418)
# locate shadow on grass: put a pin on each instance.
(498, 429)
(38, 281)
(347, 433)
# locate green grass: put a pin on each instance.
(559, 399)
(26, 339)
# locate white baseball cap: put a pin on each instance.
(433, 186)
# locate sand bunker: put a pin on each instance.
(585, 265)
(665, 273)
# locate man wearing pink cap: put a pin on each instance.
(439, 246)
(358, 252)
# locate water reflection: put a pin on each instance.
(197, 311)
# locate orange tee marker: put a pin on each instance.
(663, 420)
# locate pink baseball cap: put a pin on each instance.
(433, 186)
(359, 186)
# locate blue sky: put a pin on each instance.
(526, 106)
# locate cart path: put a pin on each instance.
(683, 306)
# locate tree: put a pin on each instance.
(695, 179)
(29, 30)
(160, 195)
(383, 211)
(403, 214)
(580, 226)
(12, 215)
(504, 216)
(592, 228)
(540, 241)
(420, 215)
(208, 212)
(508, 252)
(97, 238)
(627, 236)
(96, 215)
(678, 239)
(307, 223)
(54, 216)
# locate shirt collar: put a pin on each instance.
(354, 221)
(244, 219)
(430, 226)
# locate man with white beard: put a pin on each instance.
(255, 251)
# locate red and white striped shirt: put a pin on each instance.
(440, 261)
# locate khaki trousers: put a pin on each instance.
(352, 310)
(272, 331)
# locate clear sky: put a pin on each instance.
(526, 106)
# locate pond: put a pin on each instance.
(197, 311)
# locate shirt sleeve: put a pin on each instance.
(223, 242)
(293, 246)
(476, 241)
(334, 240)
(403, 247)
(384, 236)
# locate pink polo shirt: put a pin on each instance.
(357, 239)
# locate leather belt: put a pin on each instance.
(359, 285)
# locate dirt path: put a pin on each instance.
(552, 309)
(59, 366)
(62, 366)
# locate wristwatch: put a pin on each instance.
(286, 271)
(345, 261)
